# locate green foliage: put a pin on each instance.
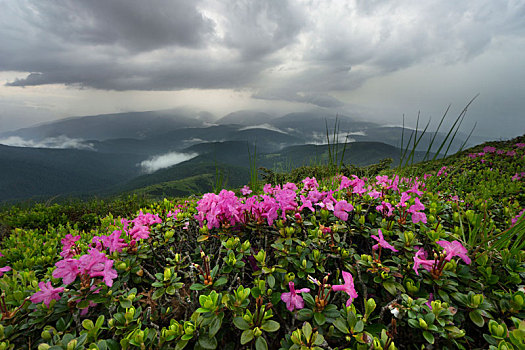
(191, 283)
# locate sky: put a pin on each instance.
(371, 59)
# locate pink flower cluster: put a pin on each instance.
(141, 225)
(515, 219)
(95, 264)
(451, 249)
(518, 176)
(227, 210)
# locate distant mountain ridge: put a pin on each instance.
(115, 147)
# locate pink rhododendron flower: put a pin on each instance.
(520, 145)
(174, 213)
(345, 182)
(453, 249)
(310, 184)
(348, 287)
(416, 215)
(404, 197)
(515, 219)
(67, 269)
(374, 194)
(381, 242)
(46, 293)
(306, 203)
(147, 219)
(415, 188)
(511, 153)
(4, 269)
(139, 232)
(385, 208)
(341, 208)
(290, 186)
(105, 271)
(292, 299)
(245, 190)
(68, 243)
(420, 261)
(114, 242)
(442, 171)
(489, 149)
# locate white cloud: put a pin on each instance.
(263, 126)
(50, 142)
(165, 161)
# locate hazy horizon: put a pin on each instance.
(371, 60)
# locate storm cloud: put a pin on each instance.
(308, 52)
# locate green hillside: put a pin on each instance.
(428, 256)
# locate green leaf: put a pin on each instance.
(319, 318)
(341, 325)
(215, 325)
(390, 287)
(270, 326)
(359, 326)
(428, 337)
(271, 281)
(170, 290)
(304, 314)
(246, 336)
(207, 342)
(260, 344)
(100, 321)
(476, 317)
(88, 324)
(307, 330)
(221, 281)
(83, 304)
(181, 344)
(197, 286)
(158, 293)
(240, 323)
(308, 299)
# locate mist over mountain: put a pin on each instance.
(105, 154)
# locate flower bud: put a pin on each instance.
(422, 323)
(477, 300)
(167, 274)
(257, 332)
(130, 313)
(43, 346)
(46, 335)
(72, 344)
(290, 276)
(296, 337)
(139, 337)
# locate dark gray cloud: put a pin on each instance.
(298, 51)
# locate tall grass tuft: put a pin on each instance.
(334, 162)
(406, 160)
(254, 176)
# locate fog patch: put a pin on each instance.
(165, 161)
(319, 138)
(263, 126)
(61, 142)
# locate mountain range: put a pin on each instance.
(181, 150)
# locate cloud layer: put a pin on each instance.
(299, 51)
(50, 142)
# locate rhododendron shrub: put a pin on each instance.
(385, 261)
